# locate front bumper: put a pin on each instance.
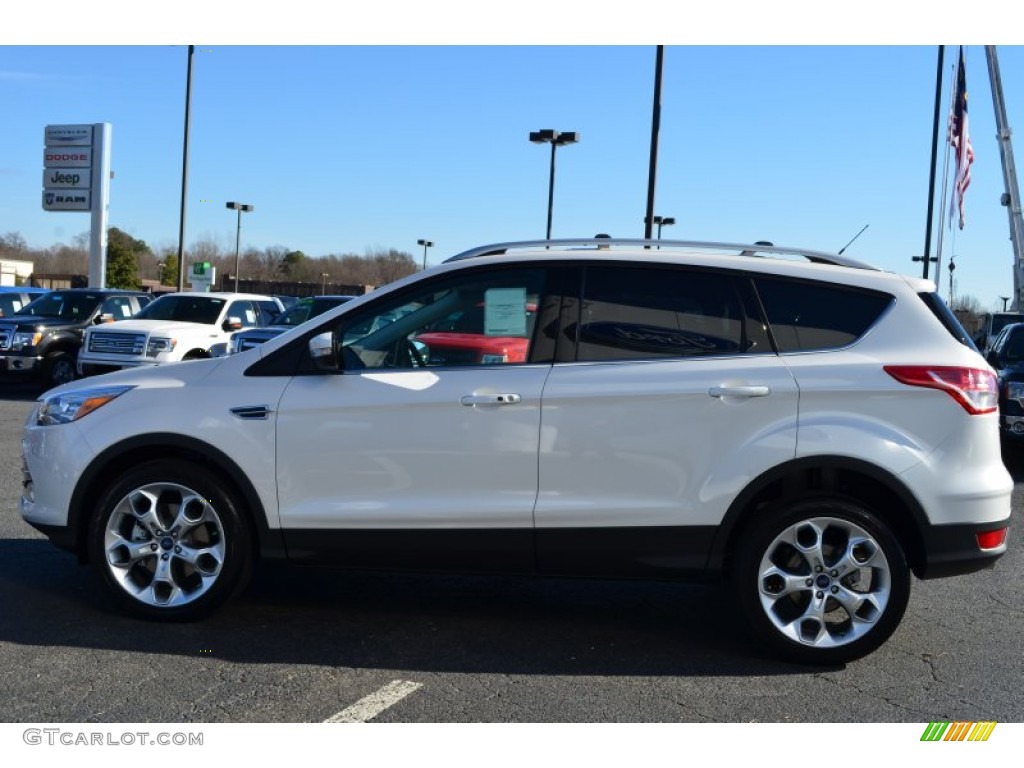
(20, 365)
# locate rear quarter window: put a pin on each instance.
(945, 315)
(805, 315)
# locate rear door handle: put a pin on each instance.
(741, 390)
(502, 399)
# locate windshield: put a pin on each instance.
(66, 306)
(297, 314)
(188, 309)
(310, 307)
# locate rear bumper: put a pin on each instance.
(952, 550)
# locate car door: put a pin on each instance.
(396, 459)
(666, 399)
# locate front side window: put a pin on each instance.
(244, 311)
(474, 318)
(637, 313)
(117, 307)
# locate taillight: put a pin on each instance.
(977, 390)
(992, 539)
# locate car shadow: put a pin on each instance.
(20, 391)
(415, 622)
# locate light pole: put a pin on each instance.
(555, 139)
(426, 244)
(323, 283)
(663, 221)
(240, 207)
(1005, 299)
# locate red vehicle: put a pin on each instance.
(461, 341)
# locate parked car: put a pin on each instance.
(15, 298)
(462, 339)
(1007, 357)
(41, 341)
(177, 326)
(991, 325)
(814, 431)
(300, 312)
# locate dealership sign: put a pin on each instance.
(76, 178)
(68, 136)
(67, 157)
(66, 200)
(69, 181)
(66, 178)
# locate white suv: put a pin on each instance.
(808, 427)
(177, 326)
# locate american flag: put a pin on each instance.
(960, 139)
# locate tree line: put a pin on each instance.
(130, 260)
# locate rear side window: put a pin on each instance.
(806, 315)
(636, 313)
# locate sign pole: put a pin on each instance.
(100, 205)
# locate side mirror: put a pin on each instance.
(323, 352)
(100, 319)
(233, 324)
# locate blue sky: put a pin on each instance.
(347, 148)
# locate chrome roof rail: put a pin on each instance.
(607, 243)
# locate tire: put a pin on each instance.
(821, 581)
(58, 369)
(169, 543)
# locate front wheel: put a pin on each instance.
(169, 543)
(822, 581)
(59, 368)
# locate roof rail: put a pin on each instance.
(606, 243)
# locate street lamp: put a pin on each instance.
(1005, 299)
(426, 244)
(663, 221)
(555, 139)
(240, 207)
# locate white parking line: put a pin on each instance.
(370, 706)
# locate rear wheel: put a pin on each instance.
(822, 581)
(169, 542)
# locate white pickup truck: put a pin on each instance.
(177, 326)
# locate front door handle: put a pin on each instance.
(741, 390)
(502, 399)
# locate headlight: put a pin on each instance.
(71, 406)
(25, 339)
(158, 345)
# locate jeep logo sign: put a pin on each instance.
(66, 178)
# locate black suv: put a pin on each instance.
(1007, 357)
(42, 340)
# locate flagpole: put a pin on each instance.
(931, 175)
(942, 205)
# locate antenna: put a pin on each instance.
(854, 238)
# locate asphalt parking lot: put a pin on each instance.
(305, 645)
